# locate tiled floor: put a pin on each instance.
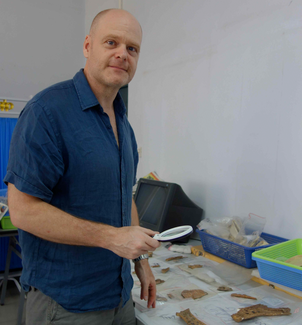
(9, 311)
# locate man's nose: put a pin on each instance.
(121, 53)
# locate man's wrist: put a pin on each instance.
(140, 258)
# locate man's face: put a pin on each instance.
(112, 50)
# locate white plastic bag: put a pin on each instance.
(3, 206)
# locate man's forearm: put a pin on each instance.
(50, 223)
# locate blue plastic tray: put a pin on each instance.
(233, 252)
(272, 266)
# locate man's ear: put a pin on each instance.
(86, 46)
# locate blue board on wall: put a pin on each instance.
(7, 126)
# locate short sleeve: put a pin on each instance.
(35, 160)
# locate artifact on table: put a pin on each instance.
(224, 288)
(174, 258)
(257, 311)
(238, 295)
(158, 298)
(159, 281)
(195, 293)
(150, 254)
(165, 270)
(189, 318)
(155, 265)
(195, 266)
(197, 250)
(170, 295)
(295, 260)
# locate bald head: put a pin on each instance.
(112, 49)
(112, 12)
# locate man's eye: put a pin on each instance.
(132, 49)
(110, 42)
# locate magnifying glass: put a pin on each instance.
(174, 233)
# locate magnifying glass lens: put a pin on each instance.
(174, 233)
(171, 233)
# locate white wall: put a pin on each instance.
(216, 104)
(216, 100)
(41, 44)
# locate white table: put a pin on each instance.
(215, 308)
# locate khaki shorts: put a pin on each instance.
(42, 310)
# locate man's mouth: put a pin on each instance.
(118, 68)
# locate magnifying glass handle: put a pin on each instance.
(157, 236)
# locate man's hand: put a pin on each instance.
(148, 286)
(131, 242)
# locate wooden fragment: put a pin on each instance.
(158, 298)
(155, 265)
(159, 281)
(257, 311)
(165, 270)
(189, 318)
(150, 254)
(195, 266)
(197, 250)
(224, 288)
(170, 295)
(238, 295)
(195, 294)
(174, 258)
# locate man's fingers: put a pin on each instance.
(149, 294)
(153, 243)
(144, 293)
(149, 231)
(152, 296)
(151, 302)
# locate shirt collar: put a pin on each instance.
(87, 97)
(85, 94)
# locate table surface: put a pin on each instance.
(215, 308)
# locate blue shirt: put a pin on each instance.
(63, 151)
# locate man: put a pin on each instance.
(70, 174)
